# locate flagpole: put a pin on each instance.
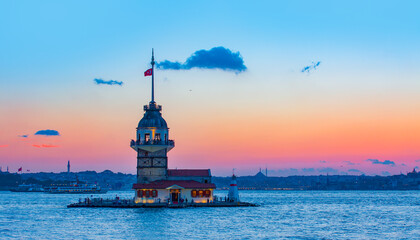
(153, 80)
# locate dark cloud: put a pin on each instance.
(418, 160)
(215, 58)
(354, 170)
(327, 170)
(322, 161)
(48, 132)
(386, 162)
(100, 81)
(349, 163)
(403, 164)
(311, 67)
(308, 170)
(23, 136)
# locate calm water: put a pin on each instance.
(282, 215)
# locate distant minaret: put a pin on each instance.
(7, 169)
(68, 166)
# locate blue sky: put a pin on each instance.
(51, 52)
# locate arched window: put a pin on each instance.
(207, 193)
(154, 193)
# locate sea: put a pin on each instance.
(281, 215)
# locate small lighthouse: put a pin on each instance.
(233, 194)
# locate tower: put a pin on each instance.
(152, 141)
(68, 166)
(233, 194)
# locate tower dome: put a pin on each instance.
(152, 117)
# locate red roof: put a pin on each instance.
(189, 172)
(163, 184)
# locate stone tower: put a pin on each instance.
(152, 141)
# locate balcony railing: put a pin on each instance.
(153, 142)
(152, 107)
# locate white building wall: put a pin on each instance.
(164, 195)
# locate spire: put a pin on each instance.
(153, 80)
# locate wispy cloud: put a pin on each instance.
(327, 170)
(418, 160)
(45, 146)
(322, 161)
(354, 170)
(386, 162)
(308, 170)
(309, 68)
(100, 81)
(349, 163)
(215, 58)
(23, 136)
(48, 132)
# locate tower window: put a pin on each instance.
(147, 137)
(157, 136)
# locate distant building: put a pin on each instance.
(155, 182)
(68, 166)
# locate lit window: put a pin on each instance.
(157, 136)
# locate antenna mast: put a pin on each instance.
(153, 80)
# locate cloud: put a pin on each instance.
(308, 170)
(403, 164)
(284, 172)
(311, 67)
(386, 173)
(354, 170)
(45, 146)
(327, 170)
(4, 145)
(386, 162)
(48, 132)
(23, 136)
(215, 58)
(349, 163)
(100, 81)
(322, 161)
(418, 160)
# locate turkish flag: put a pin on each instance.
(20, 169)
(148, 72)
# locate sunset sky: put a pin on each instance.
(357, 111)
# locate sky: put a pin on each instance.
(320, 87)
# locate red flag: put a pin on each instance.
(148, 72)
(20, 169)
